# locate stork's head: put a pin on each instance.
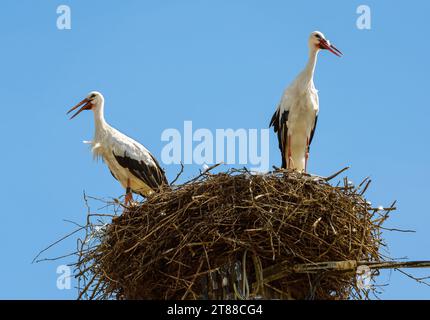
(318, 41)
(93, 101)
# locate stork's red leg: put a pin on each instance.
(128, 195)
(289, 153)
(307, 154)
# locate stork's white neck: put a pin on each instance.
(308, 72)
(99, 118)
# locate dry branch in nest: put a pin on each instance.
(236, 235)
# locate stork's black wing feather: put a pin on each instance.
(160, 172)
(150, 173)
(313, 129)
(113, 175)
(279, 123)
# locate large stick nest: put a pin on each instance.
(234, 235)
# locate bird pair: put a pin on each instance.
(294, 121)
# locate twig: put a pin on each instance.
(397, 230)
(56, 242)
(334, 175)
(419, 280)
(202, 173)
(178, 175)
(366, 186)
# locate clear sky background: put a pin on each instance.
(221, 64)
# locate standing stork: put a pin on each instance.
(129, 162)
(296, 116)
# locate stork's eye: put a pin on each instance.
(317, 36)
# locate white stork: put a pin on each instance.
(296, 116)
(129, 162)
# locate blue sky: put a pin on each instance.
(221, 64)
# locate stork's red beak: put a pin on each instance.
(324, 44)
(86, 105)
